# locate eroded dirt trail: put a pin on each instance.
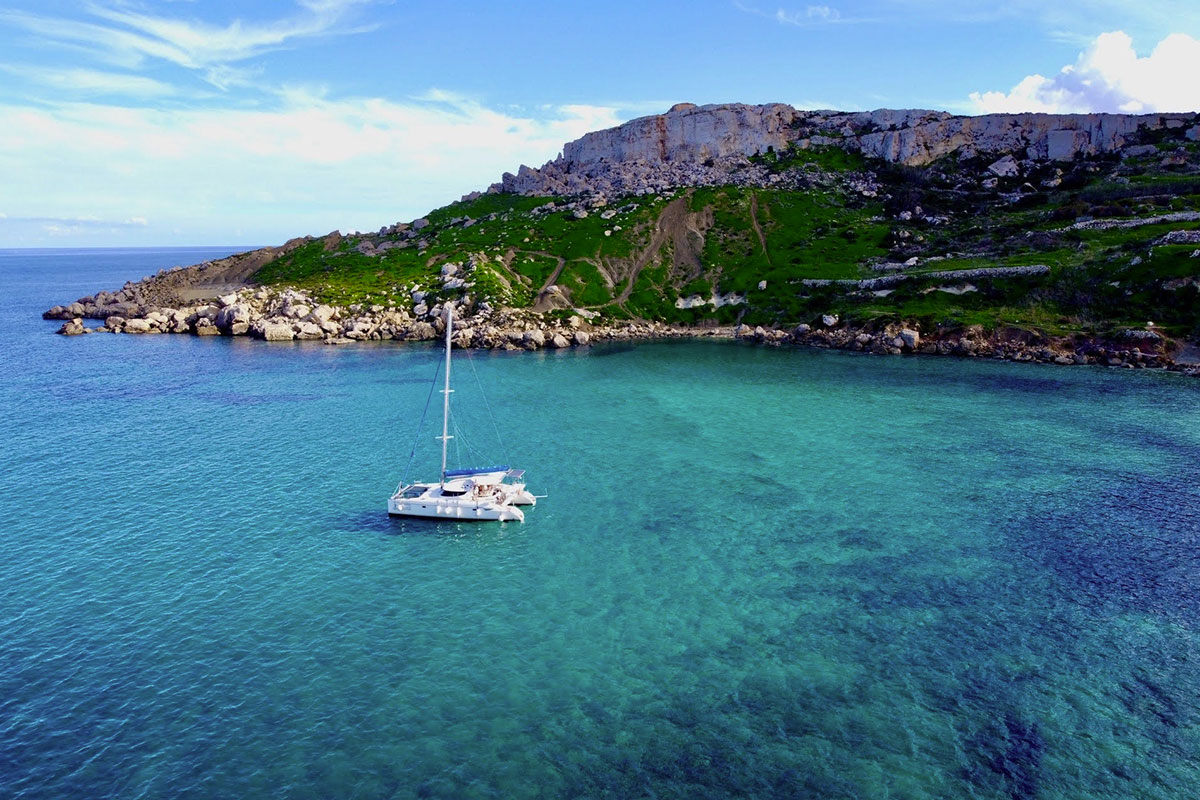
(762, 240)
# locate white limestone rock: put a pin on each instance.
(710, 144)
(421, 331)
(1005, 167)
(235, 315)
(533, 339)
(276, 330)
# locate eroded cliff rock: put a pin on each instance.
(709, 145)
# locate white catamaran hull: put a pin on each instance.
(457, 510)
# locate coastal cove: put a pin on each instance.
(770, 572)
(285, 314)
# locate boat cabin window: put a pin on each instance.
(414, 491)
(450, 493)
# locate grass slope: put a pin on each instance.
(646, 256)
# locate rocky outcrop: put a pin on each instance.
(689, 133)
(177, 286)
(275, 316)
(1132, 349)
(709, 145)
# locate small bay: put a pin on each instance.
(758, 572)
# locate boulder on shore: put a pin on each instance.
(534, 339)
(234, 315)
(421, 331)
(309, 330)
(276, 332)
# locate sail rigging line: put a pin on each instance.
(463, 441)
(488, 406)
(420, 426)
(459, 441)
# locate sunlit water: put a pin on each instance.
(758, 572)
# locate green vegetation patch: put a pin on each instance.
(345, 275)
(777, 239)
(811, 234)
(827, 157)
(585, 283)
(536, 268)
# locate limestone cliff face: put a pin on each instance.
(1057, 137)
(688, 133)
(699, 145)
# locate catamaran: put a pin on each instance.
(482, 493)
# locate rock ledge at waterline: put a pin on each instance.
(290, 315)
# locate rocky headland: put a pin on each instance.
(290, 315)
(1030, 237)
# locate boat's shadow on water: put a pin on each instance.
(380, 522)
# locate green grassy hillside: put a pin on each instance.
(840, 218)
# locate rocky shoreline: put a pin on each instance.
(287, 315)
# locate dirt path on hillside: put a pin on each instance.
(762, 240)
(672, 220)
(513, 253)
(562, 262)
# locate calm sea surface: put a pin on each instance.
(762, 573)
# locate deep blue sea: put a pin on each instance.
(758, 572)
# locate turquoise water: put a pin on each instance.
(764, 573)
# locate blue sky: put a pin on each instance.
(130, 122)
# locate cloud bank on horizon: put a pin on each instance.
(127, 122)
(1109, 76)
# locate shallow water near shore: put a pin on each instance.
(758, 572)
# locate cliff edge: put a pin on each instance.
(694, 145)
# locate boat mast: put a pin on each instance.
(445, 437)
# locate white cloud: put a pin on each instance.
(811, 16)
(1109, 76)
(130, 38)
(87, 221)
(91, 82)
(309, 166)
(1066, 19)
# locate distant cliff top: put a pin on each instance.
(702, 145)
